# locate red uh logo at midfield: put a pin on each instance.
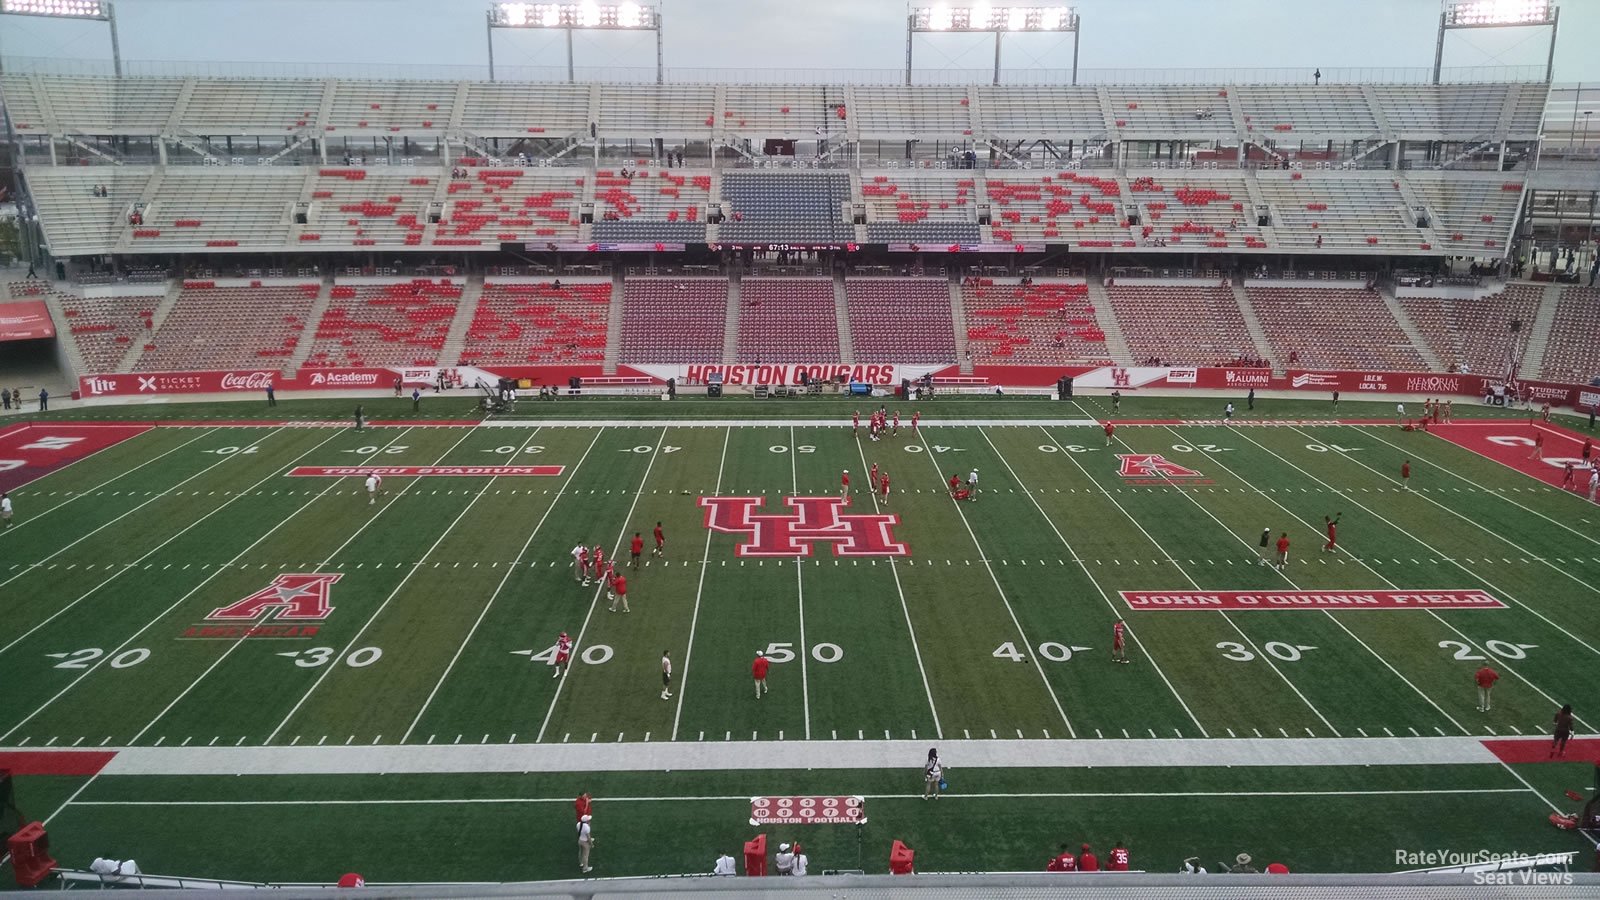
(814, 519)
(290, 598)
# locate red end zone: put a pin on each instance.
(1538, 750)
(1229, 601)
(350, 471)
(55, 762)
(1511, 444)
(33, 450)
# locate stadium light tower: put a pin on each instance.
(996, 20)
(93, 10)
(1460, 14)
(570, 17)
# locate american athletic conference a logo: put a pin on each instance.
(815, 519)
(289, 607)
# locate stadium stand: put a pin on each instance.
(1056, 110)
(494, 205)
(126, 106)
(645, 205)
(667, 111)
(76, 222)
(197, 210)
(1333, 111)
(1470, 333)
(785, 206)
(901, 319)
(787, 320)
(254, 106)
(1166, 112)
(1081, 209)
(523, 109)
(673, 320)
(1331, 328)
(520, 321)
(398, 324)
(226, 327)
(1338, 211)
(904, 112)
(370, 207)
(915, 206)
(1191, 325)
(1191, 207)
(1473, 211)
(1573, 354)
(384, 107)
(807, 111)
(1046, 323)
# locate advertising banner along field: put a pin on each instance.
(25, 321)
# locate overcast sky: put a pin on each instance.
(814, 34)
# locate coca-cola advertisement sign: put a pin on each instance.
(247, 381)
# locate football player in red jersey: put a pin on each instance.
(872, 476)
(883, 486)
(758, 671)
(1333, 533)
(661, 541)
(855, 424)
(635, 549)
(915, 418)
(563, 655)
(1283, 550)
(619, 593)
(1110, 430)
(597, 559)
(1117, 859)
(896, 432)
(1119, 647)
(844, 486)
(580, 564)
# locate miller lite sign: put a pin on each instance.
(812, 520)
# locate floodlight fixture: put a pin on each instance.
(1458, 14)
(587, 15)
(88, 10)
(981, 18)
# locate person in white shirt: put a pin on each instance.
(580, 564)
(374, 483)
(666, 675)
(5, 506)
(932, 774)
(585, 844)
(724, 866)
(972, 484)
(1399, 413)
(1594, 485)
(784, 861)
(800, 862)
(1227, 412)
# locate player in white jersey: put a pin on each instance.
(580, 564)
(374, 485)
(5, 506)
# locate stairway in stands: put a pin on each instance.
(1116, 342)
(1539, 333)
(614, 325)
(958, 321)
(841, 308)
(1258, 335)
(455, 340)
(1413, 333)
(308, 336)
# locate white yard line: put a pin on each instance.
(1436, 551)
(192, 591)
(577, 645)
(34, 517)
(699, 591)
(1260, 654)
(1094, 581)
(130, 566)
(1504, 664)
(1021, 632)
(332, 666)
(1291, 582)
(510, 570)
(905, 610)
(158, 495)
(800, 595)
(1371, 431)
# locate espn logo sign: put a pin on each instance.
(1183, 376)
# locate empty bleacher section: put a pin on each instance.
(521, 108)
(1287, 112)
(252, 106)
(1472, 334)
(1207, 208)
(1442, 112)
(398, 324)
(216, 326)
(807, 111)
(1077, 208)
(369, 207)
(673, 320)
(408, 107)
(901, 319)
(668, 111)
(1473, 212)
(897, 111)
(1047, 323)
(76, 222)
(787, 320)
(1154, 111)
(1573, 353)
(1339, 211)
(932, 206)
(100, 106)
(518, 321)
(785, 206)
(1333, 328)
(495, 205)
(1058, 111)
(201, 209)
(1188, 325)
(651, 205)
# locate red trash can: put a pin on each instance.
(900, 858)
(755, 856)
(30, 855)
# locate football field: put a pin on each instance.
(233, 585)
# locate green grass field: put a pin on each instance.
(997, 625)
